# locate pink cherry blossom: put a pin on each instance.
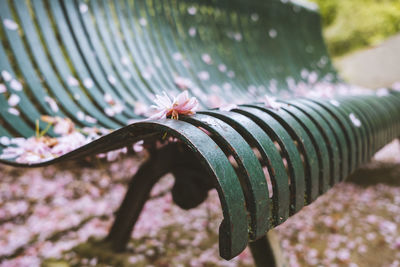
(138, 146)
(61, 126)
(10, 24)
(16, 85)
(353, 118)
(13, 100)
(68, 143)
(179, 105)
(114, 154)
(31, 150)
(270, 102)
(52, 103)
(382, 92)
(396, 86)
(43, 148)
(222, 68)
(182, 82)
(115, 107)
(3, 88)
(228, 107)
(141, 108)
(206, 58)
(192, 31)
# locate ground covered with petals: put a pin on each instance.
(51, 215)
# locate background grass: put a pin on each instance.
(354, 24)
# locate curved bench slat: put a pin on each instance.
(24, 63)
(289, 150)
(270, 157)
(55, 51)
(305, 145)
(250, 172)
(328, 136)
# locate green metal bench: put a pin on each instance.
(75, 52)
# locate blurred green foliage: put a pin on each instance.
(353, 24)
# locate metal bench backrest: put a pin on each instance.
(77, 52)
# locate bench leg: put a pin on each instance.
(190, 189)
(267, 252)
(138, 193)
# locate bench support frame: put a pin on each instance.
(191, 187)
(148, 174)
(265, 251)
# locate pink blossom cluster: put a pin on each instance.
(42, 148)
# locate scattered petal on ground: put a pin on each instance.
(45, 213)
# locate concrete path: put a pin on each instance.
(374, 67)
